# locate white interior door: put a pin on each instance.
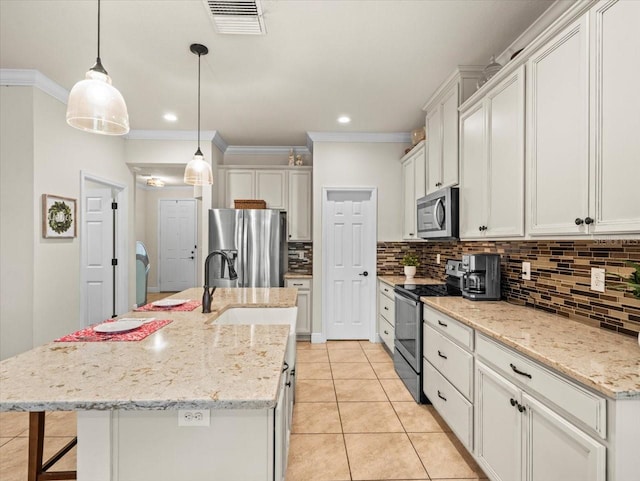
(98, 245)
(177, 246)
(349, 263)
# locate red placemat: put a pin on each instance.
(187, 306)
(89, 335)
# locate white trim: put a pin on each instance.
(122, 247)
(33, 78)
(318, 338)
(153, 289)
(266, 149)
(297, 168)
(219, 142)
(460, 73)
(144, 186)
(169, 135)
(387, 137)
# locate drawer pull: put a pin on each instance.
(386, 308)
(521, 408)
(297, 284)
(442, 355)
(440, 323)
(515, 369)
(441, 396)
(513, 402)
(386, 333)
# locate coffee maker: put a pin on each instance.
(481, 279)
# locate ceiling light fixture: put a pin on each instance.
(198, 171)
(94, 104)
(169, 117)
(155, 182)
(343, 119)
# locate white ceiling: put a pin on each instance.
(377, 61)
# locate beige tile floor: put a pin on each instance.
(354, 420)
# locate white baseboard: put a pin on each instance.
(153, 289)
(317, 338)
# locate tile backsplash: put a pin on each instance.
(296, 264)
(560, 275)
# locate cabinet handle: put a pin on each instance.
(579, 221)
(293, 373)
(386, 333)
(513, 402)
(515, 369)
(440, 323)
(588, 220)
(441, 396)
(410, 233)
(521, 408)
(297, 284)
(288, 384)
(286, 366)
(386, 308)
(441, 355)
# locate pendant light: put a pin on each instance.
(198, 171)
(94, 104)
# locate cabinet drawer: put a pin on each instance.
(450, 404)
(576, 401)
(387, 332)
(386, 289)
(299, 283)
(453, 329)
(387, 309)
(453, 362)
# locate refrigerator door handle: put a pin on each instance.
(243, 282)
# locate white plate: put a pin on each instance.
(169, 302)
(120, 326)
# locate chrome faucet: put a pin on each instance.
(207, 296)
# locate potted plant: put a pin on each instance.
(410, 262)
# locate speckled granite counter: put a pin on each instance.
(393, 280)
(604, 361)
(191, 363)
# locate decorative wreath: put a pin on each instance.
(60, 217)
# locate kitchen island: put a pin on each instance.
(129, 394)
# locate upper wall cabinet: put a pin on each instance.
(492, 162)
(442, 127)
(299, 213)
(413, 187)
(583, 144)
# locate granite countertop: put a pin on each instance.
(602, 360)
(191, 363)
(393, 280)
(297, 275)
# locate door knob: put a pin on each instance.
(365, 274)
(192, 257)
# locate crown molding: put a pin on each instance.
(33, 78)
(266, 149)
(365, 137)
(169, 134)
(219, 142)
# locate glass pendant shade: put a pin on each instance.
(198, 171)
(96, 106)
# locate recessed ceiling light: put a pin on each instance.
(170, 117)
(343, 119)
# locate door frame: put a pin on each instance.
(121, 196)
(371, 234)
(159, 234)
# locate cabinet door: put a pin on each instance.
(303, 323)
(505, 162)
(410, 217)
(473, 172)
(615, 101)
(449, 175)
(498, 426)
(271, 186)
(558, 124)
(434, 149)
(420, 176)
(558, 451)
(280, 432)
(239, 185)
(299, 212)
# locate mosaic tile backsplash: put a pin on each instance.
(297, 265)
(560, 275)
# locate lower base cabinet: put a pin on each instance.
(303, 324)
(519, 438)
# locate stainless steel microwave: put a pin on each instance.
(438, 214)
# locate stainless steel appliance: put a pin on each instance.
(407, 356)
(255, 244)
(481, 279)
(438, 214)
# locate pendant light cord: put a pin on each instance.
(98, 30)
(199, 102)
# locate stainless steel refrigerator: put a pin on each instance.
(255, 240)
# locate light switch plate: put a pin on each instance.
(597, 279)
(526, 271)
(437, 258)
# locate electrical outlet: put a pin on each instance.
(526, 271)
(193, 417)
(300, 254)
(437, 258)
(597, 279)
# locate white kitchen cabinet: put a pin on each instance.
(386, 314)
(303, 324)
(271, 186)
(414, 181)
(239, 184)
(492, 162)
(300, 205)
(442, 127)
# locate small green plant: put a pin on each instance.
(410, 259)
(633, 281)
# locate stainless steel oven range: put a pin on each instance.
(407, 357)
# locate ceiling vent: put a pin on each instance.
(238, 17)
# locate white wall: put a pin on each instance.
(340, 164)
(262, 159)
(57, 154)
(16, 215)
